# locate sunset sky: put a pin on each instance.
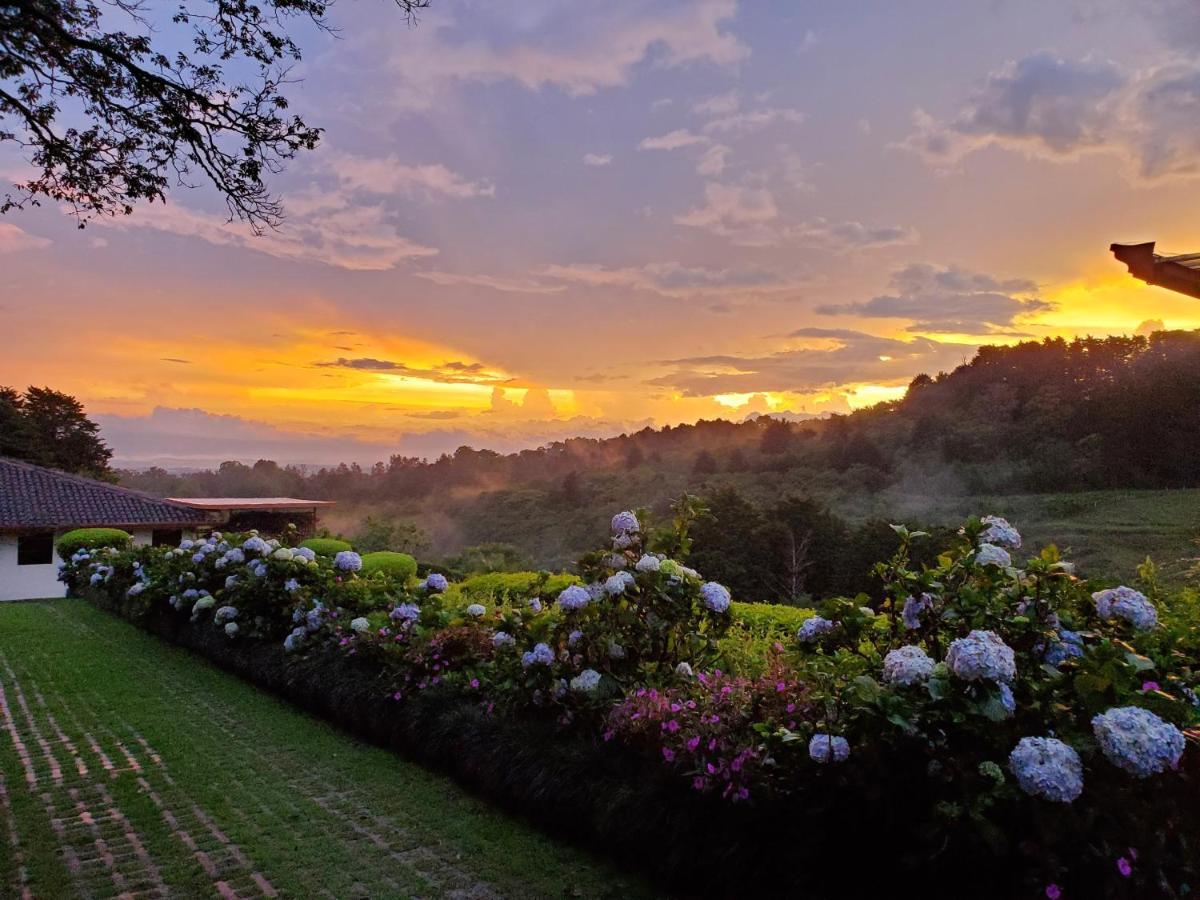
(530, 220)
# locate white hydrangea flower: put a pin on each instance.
(360, 625)
(475, 610)
(648, 563)
(586, 681)
(1046, 767)
(283, 553)
(231, 628)
(684, 670)
(907, 665)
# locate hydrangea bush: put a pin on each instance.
(996, 706)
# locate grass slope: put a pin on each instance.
(1108, 533)
(130, 765)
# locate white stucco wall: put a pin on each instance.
(38, 582)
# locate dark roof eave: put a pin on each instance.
(1162, 271)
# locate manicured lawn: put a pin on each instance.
(129, 767)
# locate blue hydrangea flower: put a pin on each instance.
(136, 588)
(574, 597)
(347, 561)
(982, 656)
(907, 665)
(615, 650)
(535, 604)
(648, 563)
(235, 555)
(540, 655)
(1128, 604)
(225, 614)
(813, 628)
(502, 639)
(305, 553)
(825, 748)
(595, 590)
(291, 585)
(574, 637)
(1068, 645)
(1000, 533)
(1046, 767)
(1007, 700)
(436, 582)
(231, 628)
(256, 545)
(618, 583)
(292, 642)
(991, 555)
(715, 596)
(586, 681)
(475, 610)
(405, 612)
(625, 523)
(913, 608)
(1138, 741)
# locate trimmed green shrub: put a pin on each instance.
(501, 587)
(400, 566)
(770, 619)
(326, 546)
(91, 538)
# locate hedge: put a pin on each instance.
(629, 809)
(91, 538)
(400, 566)
(326, 546)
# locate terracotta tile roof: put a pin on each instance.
(34, 497)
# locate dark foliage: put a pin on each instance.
(50, 429)
(112, 111)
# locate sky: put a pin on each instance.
(538, 219)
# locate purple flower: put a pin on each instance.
(1053, 891)
(1124, 867)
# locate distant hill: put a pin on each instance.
(1050, 416)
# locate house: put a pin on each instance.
(38, 505)
(270, 515)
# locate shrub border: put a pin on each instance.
(620, 806)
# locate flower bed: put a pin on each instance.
(983, 719)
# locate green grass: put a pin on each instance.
(1108, 533)
(213, 782)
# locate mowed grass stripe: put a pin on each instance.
(198, 784)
